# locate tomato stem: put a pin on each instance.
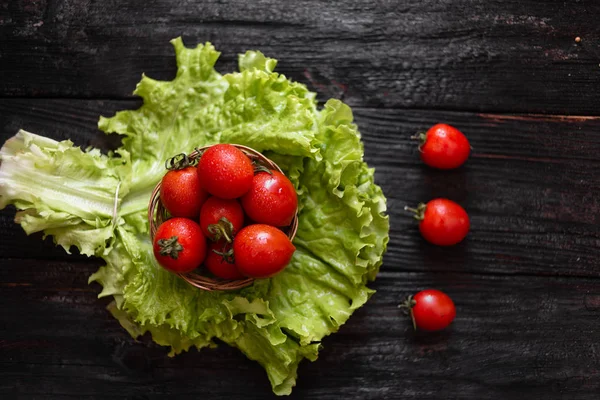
(419, 212)
(408, 305)
(180, 161)
(227, 255)
(421, 137)
(261, 168)
(170, 247)
(222, 229)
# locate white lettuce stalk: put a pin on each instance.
(64, 191)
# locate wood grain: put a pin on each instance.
(62, 336)
(508, 73)
(478, 55)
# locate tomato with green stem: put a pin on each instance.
(180, 190)
(179, 245)
(442, 221)
(430, 310)
(219, 261)
(221, 218)
(443, 147)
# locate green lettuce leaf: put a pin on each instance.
(280, 359)
(342, 232)
(344, 224)
(161, 334)
(64, 191)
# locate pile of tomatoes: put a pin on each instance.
(227, 213)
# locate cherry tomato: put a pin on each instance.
(219, 261)
(179, 245)
(430, 310)
(221, 218)
(225, 171)
(261, 250)
(444, 147)
(181, 193)
(271, 200)
(443, 222)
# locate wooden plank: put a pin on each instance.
(517, 56)
(529, 186)
(517, 337)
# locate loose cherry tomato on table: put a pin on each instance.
(219, 261)
(430, 310)
(179, 245)
(261, 250)
(443, 222)
(180, 190)
(271, 200)
(221, 218)
(225, 171)
(444, 147)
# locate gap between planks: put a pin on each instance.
(491, 274)
(498, 115)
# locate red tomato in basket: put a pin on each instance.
(181, 193)
(262, 250)
(221, 265)
(271, 200)
(444, 147)
(179, 245)
(213, 210)
(225, 171)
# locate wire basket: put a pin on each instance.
(157, 214)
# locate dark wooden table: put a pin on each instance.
(508, 73)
